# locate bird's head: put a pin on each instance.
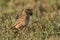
(29, 11)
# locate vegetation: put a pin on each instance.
(44, 24)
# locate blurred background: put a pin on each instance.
(45, 19)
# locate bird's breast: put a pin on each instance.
(27, 20)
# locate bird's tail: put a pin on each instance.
(9, 29)
(12, 28)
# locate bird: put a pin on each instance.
(23, 20)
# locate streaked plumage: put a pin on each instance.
(23, 20)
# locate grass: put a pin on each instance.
(47, 26)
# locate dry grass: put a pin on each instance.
(44, 26)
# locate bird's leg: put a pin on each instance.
(21, 28)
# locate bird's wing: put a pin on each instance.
(20, 21)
